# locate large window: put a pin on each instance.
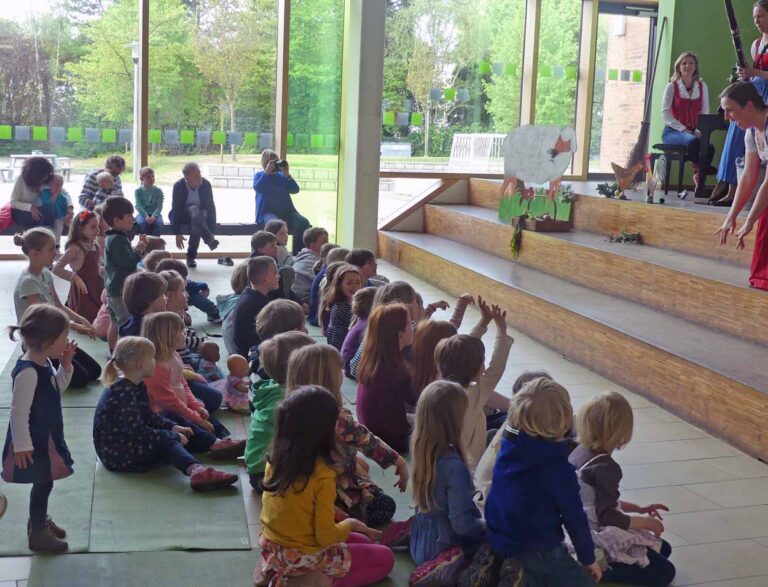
(452, 74)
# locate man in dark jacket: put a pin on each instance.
(193, 210)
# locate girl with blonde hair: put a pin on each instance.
(129, 437)
(357, 495)
(447, 525)
(169, 393)
(636, 554)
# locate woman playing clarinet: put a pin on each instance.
(724, 191)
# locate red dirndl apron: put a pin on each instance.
(87, 305)
(759, 270)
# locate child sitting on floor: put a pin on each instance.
(636, 554)
(318, 269)
(143, 293)
(346, 282)
(277, 316)
(197, 291)
(265, 243)
(266, 395)
(152, 260)
(238, 281)
(280, 229)
(535, 492)
(447, 527)
(304, 263)
(357, 495)
(130, 437)
(461, 358)
(169, 393)
(299, 535)
(35, 451)
(362, 302)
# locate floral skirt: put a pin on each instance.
(279, 562)
(629, 547)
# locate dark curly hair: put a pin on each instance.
(36, 172)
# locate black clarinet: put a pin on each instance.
(736, 36)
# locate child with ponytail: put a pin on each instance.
(129, 437)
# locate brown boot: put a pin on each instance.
(44, 541)
(51, 525)
(227, 449)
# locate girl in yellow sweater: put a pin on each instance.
(299, 535)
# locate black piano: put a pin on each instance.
(707, 124)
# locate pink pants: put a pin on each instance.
(371, 562)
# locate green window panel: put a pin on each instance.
(545, 71)
(187, 137)
(155, 136)
(39, 133)
(571, 72)
(449, 94)
(6, 132)
(289, 139)
(510, 69)
(316, 141)
(219, 137)
(637, 75)
(108, 135)
(250, 139)
(388, 118)
(417, 118)
(484, 67)
(613, 75)
(74, 135)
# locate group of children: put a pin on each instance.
(493, 481)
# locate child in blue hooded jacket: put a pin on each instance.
(535, 492)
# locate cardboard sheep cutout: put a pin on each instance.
(537, 156)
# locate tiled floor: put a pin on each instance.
(718, 497)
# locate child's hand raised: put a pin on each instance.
(68, 355)
(466, 299)
(485, 310)
(23, 459)
(142, 246)
(499, 318)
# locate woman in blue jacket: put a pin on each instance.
(274, 186)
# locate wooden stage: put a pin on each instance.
(673, 319)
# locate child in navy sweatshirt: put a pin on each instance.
(535, 492)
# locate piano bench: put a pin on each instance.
(671, 153)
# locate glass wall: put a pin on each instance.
(212, 86)
(620, 88)
(452, 74)
(66, 81)
(314, 106)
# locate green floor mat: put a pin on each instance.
(140, 569)
(157, 510)
(70, 502)
(86, 397)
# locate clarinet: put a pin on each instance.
(736, 37)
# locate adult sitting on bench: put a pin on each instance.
(193, 211)
(274, 186)
(26, 208)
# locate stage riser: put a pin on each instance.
(722, 406)
(735, 310)
(662, 226)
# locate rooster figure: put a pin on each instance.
(626, 178)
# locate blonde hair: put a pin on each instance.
(104, 175)
(275, 352)
(317, 364)
(129, 351)
(40, 326)
(336, 255)
(145, 171)
(439, 416)
(239, 278)
(34, 239)
(679, 61)
(605, 422)
(161, 329)
(542, 408)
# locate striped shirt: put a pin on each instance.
(338, 326)
(91, 186)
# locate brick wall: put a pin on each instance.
(624, 100)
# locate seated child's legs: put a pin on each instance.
(219, 430)
(380, 509)
(200, 441)
(210, 397)
(371, 562)
(555, 567)
(659, 572)
(173, 453)
(203, 304)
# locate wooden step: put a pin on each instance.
(688, 229)
(710, 379)
(712, 293)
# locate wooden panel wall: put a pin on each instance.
(722, 406)
(739, 311)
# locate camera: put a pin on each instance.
(281, 164)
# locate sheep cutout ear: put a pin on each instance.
(537, 156)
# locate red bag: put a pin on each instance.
(6, 217)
